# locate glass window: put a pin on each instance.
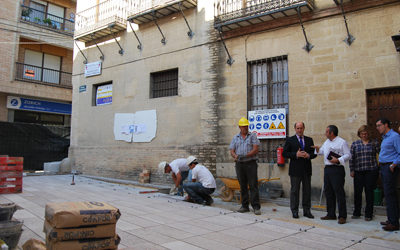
(268, 89)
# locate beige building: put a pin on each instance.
(36, 62)
(201, 65)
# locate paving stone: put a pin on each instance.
(384, 243)
(229, 240)
(363, 246)
(151, 236)
(208, 243)
(179, 245)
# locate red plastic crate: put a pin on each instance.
(11, 172)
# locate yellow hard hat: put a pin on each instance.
(243, 122)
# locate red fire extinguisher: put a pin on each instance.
(279, 157)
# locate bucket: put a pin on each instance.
(10, 232)
(6, 211)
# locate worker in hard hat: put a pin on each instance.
(244, 149)
(203, 183)
(180, 171)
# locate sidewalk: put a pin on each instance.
(158, 221)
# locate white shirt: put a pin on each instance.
(338, 146)
(179, 165)
(204, 176)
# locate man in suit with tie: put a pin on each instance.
(298, 149)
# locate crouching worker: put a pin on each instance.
(180, 172)
(202, 185)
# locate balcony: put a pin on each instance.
(233, 14)
(101, 20)
(47, 20)
(143, 11)
(35, 74)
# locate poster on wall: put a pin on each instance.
(268, 123)
(93, 69)
(135, 127)
(104, 95)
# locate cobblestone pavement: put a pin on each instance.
(158, 221)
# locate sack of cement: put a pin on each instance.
(93, 244)
(34, 244)
(77, 233)
(76, 214)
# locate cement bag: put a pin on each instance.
(77, 233)
(76, 214)
(92, 244)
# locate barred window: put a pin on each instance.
(164, 83)
(268, 89)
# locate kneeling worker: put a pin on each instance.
(180, 172)
(202, 185)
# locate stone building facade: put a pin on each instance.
(334, 82)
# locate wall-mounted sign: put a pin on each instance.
(38, 105)
(104, 95)
(268, 124)
(82, 88)
(93, 69)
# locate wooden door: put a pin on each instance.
(383, 103)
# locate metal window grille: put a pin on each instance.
(164, 83)
(268, 89)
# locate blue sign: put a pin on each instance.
(39, 105)
(266, 126)
(251, 126)
(258, 126)
(82, 88)
(265, 117)
(251, 118)
(273, 117)
(258, 118)
(281, 116)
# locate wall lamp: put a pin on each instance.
(396, 41)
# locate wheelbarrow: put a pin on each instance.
(231, 185)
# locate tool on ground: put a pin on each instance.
(320, 199)
(73, 177)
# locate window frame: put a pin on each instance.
(267, 149)
(174, 72)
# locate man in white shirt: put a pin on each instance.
(336, 151)
(180, 172)
(202, 185)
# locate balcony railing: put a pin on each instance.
(47, 20)
(31, 73)
(228, 10)
(101, 17)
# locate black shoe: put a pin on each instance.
(209, 202)
(243, 210)
(295, 215)
(308, 214)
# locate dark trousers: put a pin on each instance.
(334, 190)
(247, 175)
(364, 180)
(197, 192)
(305, 181)
(389, 180)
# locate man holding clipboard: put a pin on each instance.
(336, 151)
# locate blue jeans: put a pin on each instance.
(197, 192)
(184, 175)
(389, 188)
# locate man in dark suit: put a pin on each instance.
(298, 149)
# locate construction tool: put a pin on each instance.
(320, 199)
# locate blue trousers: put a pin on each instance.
(389, 180)
(197, 192)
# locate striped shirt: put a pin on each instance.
(363, 156)
(244, 146)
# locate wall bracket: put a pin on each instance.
(86, 60)
(102, 55)
(190, 33)
(140, 46)
(308, 47)
(163, 40)
(121, 50)
(230, 60)
(349, 39)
